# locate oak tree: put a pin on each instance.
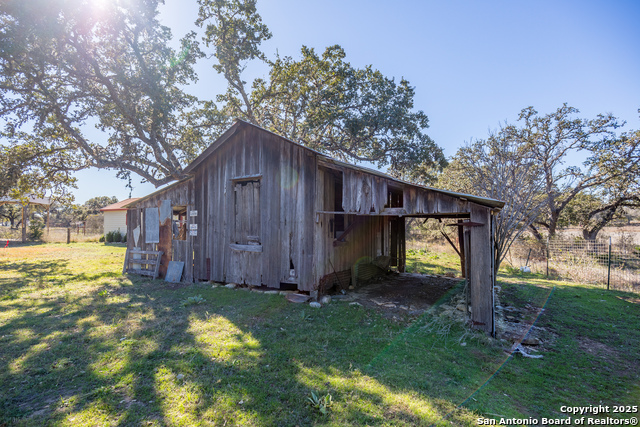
(612, 162)
(69, 65)
(319, 100)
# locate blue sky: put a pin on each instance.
(474, 64)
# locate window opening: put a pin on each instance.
(179, 223)
(394, 198)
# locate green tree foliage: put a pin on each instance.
(594, 210)
(234, 30)
(31, 168)
(68, 63)
(577, 211)
(11, 213)
(321, 101)
(94, 204)
(9, 169)
(526, 166)
(36, 229)
(67, 214)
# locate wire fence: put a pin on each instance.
(612, 265)
(53, 235)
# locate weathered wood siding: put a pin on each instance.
(367, 194)
(366, 240)
(480, 271)
(180, 194)
(365, 199)
(267, 214)
(286, 175)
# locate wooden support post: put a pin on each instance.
(493, 275)
(402, 252)
(393, 240)
(480, 280)
(466, 233)
(68, 235)
(463, 265)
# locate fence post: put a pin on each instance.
(547, 256)
(609, 265)
(68, 235)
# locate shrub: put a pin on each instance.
(36, 230)
(117, 236)
(101, 239)
(108, 237)
(124, 238)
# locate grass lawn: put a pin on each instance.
(429, 262)
(82, 345)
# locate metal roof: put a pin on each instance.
(32, 200)
(134, 202)
(119, 206)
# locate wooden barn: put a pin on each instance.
(261, 210)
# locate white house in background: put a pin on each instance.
(115, 216)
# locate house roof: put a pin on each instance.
(485, 201)
(31, 199)
(133, 202)
(120, 206)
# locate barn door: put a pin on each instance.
(246, 240)
(247, 213)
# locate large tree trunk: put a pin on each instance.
(604, 220)
(553, 223)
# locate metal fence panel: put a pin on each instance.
(585, 261)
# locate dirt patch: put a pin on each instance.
(597, 349)
(401, 293)
(630, 300)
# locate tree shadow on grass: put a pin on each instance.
(129, 353)
(31, 273)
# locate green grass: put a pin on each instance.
(81, 345)
(424, 261)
